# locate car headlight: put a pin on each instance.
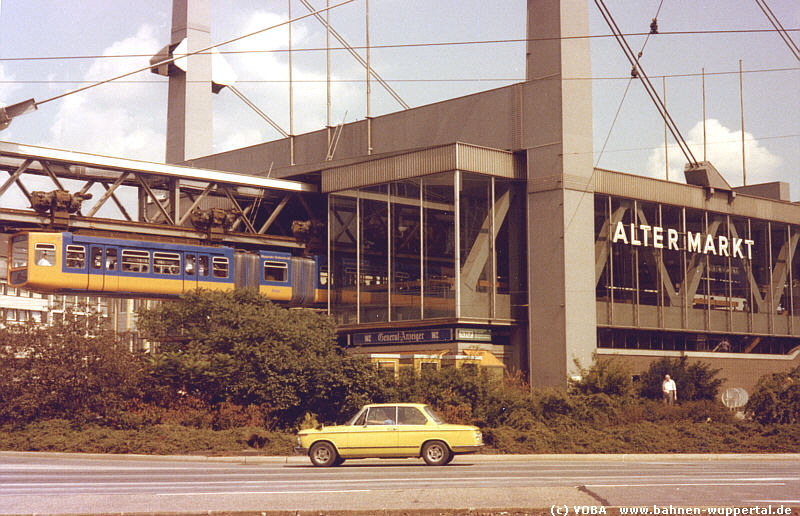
(478, 437)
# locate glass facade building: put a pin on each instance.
(440, 247)
(679, 278)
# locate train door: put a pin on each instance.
(196, 271)
(102, 267)
(246, 270)
(304, 281)
(189, 271)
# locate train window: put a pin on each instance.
(135, 261)
(276, 271)
(190, 259)
(202, 266)
(167, 263)
(44, 254)
(111, 259)
(76, 256)
(19, 251)
(97, 257)
(220, 267)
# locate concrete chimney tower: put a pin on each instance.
(189, 116)
(561, 272)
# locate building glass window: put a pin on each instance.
(647, 255)
(782, 248)
(623, 266)
(374, 254)
(740, 269)
(405, 250)
(794, 272)
(438, 220)
(343, 227)
(510, 250)
(761, 264)
(672, 258)
(603, 228)
(694, 280)
(717, 247)
(476, 230)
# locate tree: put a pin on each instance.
(609, 376)
(695, 381)
(776, 398)
(76, 369)
(239, 347)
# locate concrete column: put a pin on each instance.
(557, 136)
(189, 118)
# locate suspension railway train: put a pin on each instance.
(71, 263)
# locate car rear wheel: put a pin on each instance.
(436, 453)
(323, 455)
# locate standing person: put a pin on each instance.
(670, 390)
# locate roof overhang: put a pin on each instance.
(381, 169)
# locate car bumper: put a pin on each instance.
(467, 449)
(299, 450)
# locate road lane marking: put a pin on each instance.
(697, 484)
(210, 493)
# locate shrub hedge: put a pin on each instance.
(245, 378)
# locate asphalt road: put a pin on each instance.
(564, 485)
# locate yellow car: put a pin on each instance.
(390, 430)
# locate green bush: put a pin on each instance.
(610, 376)
(695, 381)
(66, 436)
(776, 398)
(76, 369)
(237, 347)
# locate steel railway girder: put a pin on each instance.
(141, 197)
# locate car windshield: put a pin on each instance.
(355, 418)
(434, 416)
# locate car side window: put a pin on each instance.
(381, 416)
(410, 416)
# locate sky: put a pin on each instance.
(428, 51)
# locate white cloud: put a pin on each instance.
(125, 118)
(7, 87)
(264, 72)
(724, 151)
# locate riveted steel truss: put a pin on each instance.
(64, 190)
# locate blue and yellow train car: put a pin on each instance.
(68, 263)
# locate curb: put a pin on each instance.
(297, 459)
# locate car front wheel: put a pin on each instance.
(324, 455)
(436, 453)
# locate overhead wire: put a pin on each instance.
(401, 45)
(653, 30)
(202, 50)
(426, 80)
(672, 126)
(779, 27)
